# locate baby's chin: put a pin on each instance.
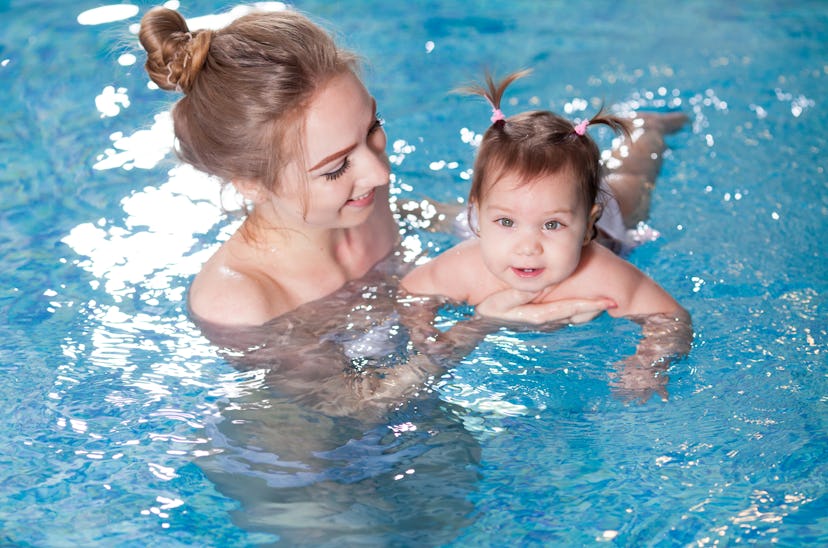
(530, 285)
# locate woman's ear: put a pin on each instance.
(594, 215)
(252, 191)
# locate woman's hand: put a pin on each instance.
(513, 305)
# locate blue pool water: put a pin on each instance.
(125, 427)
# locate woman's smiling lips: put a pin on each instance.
(527, 272)
(363, 200)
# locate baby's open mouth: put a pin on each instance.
(527, 272)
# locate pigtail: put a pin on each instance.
(616, 123)
(493, 92)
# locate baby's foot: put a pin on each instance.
(663, 122)
(643, 233)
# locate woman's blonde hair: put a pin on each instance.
(245, 87)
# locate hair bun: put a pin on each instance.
(195, 55)
(175, 55)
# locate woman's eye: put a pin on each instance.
(337, 173)
(552, 225)
(508, 223)
(378, 123)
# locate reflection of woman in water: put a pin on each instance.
(314, 479)
(274, 107)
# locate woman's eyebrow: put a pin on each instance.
(333, 156)
(346, 150)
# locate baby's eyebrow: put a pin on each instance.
(504, 210)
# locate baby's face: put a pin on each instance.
(531, 235)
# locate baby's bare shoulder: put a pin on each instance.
(632, 290)
(598, 261)
(449, 274)
(601, 273)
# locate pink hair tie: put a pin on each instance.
(580, 129)
(497, 115)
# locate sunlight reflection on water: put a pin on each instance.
(121, 393)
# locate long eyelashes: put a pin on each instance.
(378, 123)
(338, 172)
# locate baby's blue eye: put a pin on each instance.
(508, 223)
(552, 225)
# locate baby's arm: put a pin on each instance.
(665, 337)
(666, 328)
(634, 292)
(513, 305)
(461, 275)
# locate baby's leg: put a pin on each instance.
(635, 163)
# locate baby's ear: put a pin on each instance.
(252, 191)
(474, 217)
(594, 215)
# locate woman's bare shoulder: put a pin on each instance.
(225, 294)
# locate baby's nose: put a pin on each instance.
(529, 245)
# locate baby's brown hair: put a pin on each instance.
(536, 143)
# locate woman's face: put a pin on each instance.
(344, 161)
(532, 234)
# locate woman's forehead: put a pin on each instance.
(335, 117)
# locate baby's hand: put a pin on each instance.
(513, 305)
(639, 378)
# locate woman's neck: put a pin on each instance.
(342, 252)
(290, 246)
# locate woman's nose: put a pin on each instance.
(378, 171)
